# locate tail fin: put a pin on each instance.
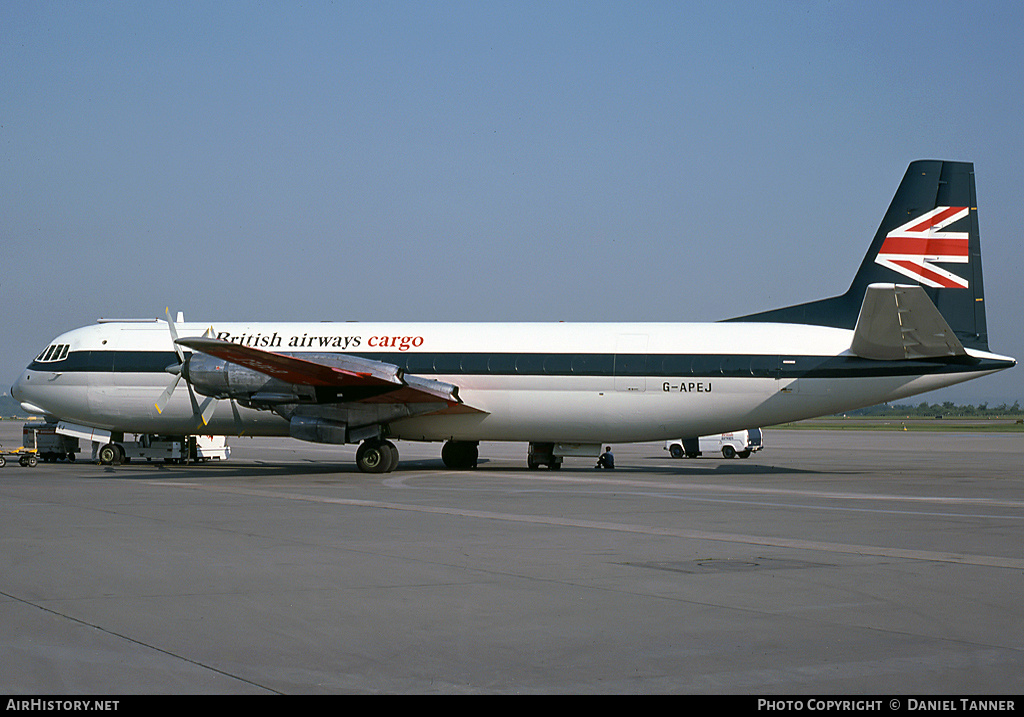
(929, 237)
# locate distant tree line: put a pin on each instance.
(947, 409)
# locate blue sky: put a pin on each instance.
(466, 161)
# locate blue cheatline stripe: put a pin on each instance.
(580, 364)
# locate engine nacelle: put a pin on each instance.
(218, 378)
(317, 430)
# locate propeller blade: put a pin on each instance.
(174, 336)
(209, 406)
(204, 411)
(161, 403)
(236, 416)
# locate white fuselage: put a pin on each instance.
(588, 382)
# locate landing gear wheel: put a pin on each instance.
(376, 456)
(543, 454)
(460, 455)
(110, 454)
(392, 455)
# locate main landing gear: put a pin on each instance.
(543, 454)
(376, 455)
(460, 455)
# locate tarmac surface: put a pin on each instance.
(829, 563)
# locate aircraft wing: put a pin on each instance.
(383, 382)
(899, 322)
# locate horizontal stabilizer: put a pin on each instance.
(899, 322)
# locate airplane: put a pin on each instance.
(912, 321)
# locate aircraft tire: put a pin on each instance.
(392, 455)
(109, 454)
(460, 455)
(375, 456)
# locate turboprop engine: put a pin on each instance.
(218, 378)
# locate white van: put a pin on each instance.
(735, 443)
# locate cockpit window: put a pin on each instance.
(53, 352)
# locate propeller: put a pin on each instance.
(202, 411)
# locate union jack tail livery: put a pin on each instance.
(914, 248)
(928, 238)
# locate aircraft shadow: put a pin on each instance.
(273, 469)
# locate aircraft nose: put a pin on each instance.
(16, 388)
(22, 393)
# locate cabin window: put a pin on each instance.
(419, 363)
(501, 364)
(474, 363)
(529, 364)
(557, 364)
(447, 363)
